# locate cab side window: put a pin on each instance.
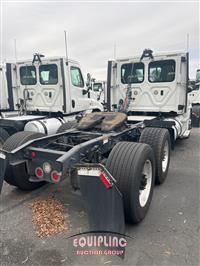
(76, 77)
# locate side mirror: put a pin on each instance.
(88, 77)
(84, 91)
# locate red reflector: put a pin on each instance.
(33, 154)
(105, 181)
(39, 172)
(55, 176)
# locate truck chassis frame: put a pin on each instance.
(85, 152)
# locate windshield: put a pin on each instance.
(97, 87)
(162, 71)
(132, 73)
(48, 74)
(28, 75)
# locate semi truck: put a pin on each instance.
(3, 89)
(194, 98)
(44, 93)
(113, 157)
(99, 86)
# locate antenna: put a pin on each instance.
(15, 47)
(66, 52)
(188, 39)
(115, 50)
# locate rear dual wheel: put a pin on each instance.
(133, 166)
(136, 167)
(18, 176)
(159, 140)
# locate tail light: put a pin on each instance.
(33, 154)
(55, 176)
(105, 180)
(39, 172)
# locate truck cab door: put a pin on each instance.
(79, 98)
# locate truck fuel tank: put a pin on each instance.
(47, 126)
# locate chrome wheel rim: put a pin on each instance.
(165, 157)
(145, 186)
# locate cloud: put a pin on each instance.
(93, 28)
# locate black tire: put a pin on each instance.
(125, 163)
(66, 126)
(195, 116)
(20, 178)
(3, 136)
(157, 138)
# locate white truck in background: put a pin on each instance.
(43, 94)
(99, 87)
(3, 89)
(194, 98)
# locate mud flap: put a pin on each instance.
(195, 117)
(3, 164)
(104, 204)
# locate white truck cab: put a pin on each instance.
(149, 86)
(50, 85)
(3, 89)
(99, 86)
(194, 98)
(194, 95)
(43, 94)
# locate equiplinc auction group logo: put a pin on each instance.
(100, 243)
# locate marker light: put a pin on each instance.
(135, 93)
(47, 167)
(105, 180)
(33, 154)
(55, 176)
(155, 92)
(39, 172)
